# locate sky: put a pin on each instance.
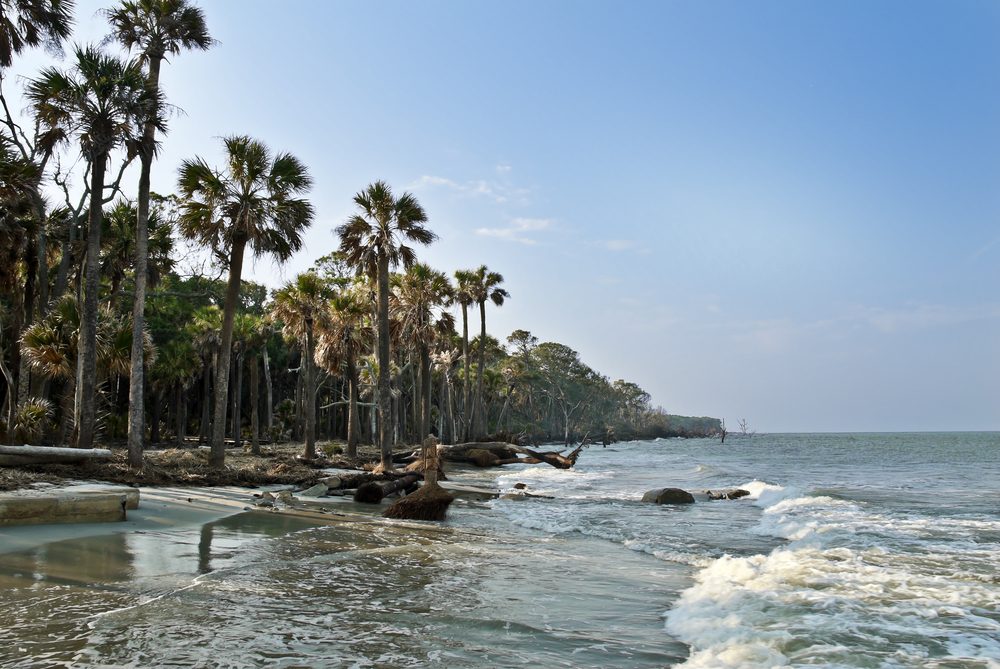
(787, 212)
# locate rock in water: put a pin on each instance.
(734, 493)
(318, 490)
(668, 496)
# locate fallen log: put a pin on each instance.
(41, 455)
(460, 452)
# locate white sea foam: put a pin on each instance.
(848, 579)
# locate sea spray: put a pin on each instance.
(851, 577)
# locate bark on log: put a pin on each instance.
(477, 453)
(39, 455)
(459, 452)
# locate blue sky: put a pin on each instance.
(784, 211)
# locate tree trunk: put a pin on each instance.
(65, 259)
(206, 401)
(465, 374)
(87, 367)
(384, 362)
(180, 415)
(269, 395)
(297, 418)
(154, 418)
(218, 455)
(353, 420)
(480, 410)
(135, 403)
(238, 403)
(254, 406)
(310, 392)
(443, 408)
(425, 382)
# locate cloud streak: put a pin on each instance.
(518, 230)
(493, 190)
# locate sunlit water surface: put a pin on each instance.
(852, 551)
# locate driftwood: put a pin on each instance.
(461, 452)
(497, 453)
(40, 455)
(556, 459)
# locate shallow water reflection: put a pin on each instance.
(257, 590)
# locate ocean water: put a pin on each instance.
(852, 550)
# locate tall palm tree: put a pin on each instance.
(106, 103)
(253, 203)
(302, 307)
(154, 28)
(484, 287)
(373, 241)
(464, 279)
(419, 292)
(29, 23)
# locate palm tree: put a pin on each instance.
(484, 287)
(340, 346)
(372, 241)
(105, 102)
(154, 28)
(253, 203)
(419, 292)
(118, 244)
(28, 23)
(51, 346)
(302, 306)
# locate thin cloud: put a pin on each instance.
(619, 246)
(518, 230)
(499, 193)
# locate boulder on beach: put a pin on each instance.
(668, 496)
(318, 490)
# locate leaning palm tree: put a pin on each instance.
(252, 204)
(106, 103)
(484, 287)
(154, 28)
(372, 241)
(302, 307)
(29, 23)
